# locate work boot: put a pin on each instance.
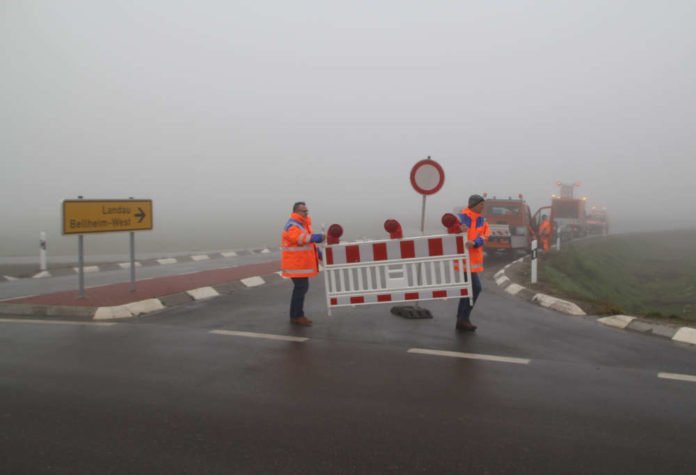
(466, 326)
(301, 321)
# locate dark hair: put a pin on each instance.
(297, 205)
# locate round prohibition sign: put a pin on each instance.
(427, 177)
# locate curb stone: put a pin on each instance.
(624, 322)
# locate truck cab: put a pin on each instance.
(510, 224)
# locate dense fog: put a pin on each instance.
(225, 113)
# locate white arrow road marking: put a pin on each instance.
(471, 356)
(677, 376)
(266, 336)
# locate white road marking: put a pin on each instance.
(87, 269)
(126, 265)
(229, 254)
(169, 260)
(203, 293)
(253, 281)
(471, 356)
(9, 277)
(266, 336)
(41, 275)
(200, 257)
(677, 376)
(55, 322)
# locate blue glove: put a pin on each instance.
(317, 238)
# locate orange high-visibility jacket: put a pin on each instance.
(545, 229)
(299, 254)
(478, 232)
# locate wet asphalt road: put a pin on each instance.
(162, 394)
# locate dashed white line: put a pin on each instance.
(266, 336)
(677, 377)
(253, 281)
(56, 322)
(471, 356)
(169, 260)
(87, 269)
(126, 265)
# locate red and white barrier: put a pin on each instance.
(397, 270)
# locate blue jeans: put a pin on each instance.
(301, 286)
(464, 309)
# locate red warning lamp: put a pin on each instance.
(393, 227)
(334, 233)
(451, 222)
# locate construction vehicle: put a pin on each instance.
(597, 222)
(566, 213)
(510, 222)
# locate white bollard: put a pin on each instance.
(42, 252)
(558, 242)
(534, 261)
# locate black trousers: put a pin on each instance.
(300, 288)
(464, 309)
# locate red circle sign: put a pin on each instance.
(427, 177)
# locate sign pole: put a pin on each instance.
(132, 261)
(81, 264)
(427, 177)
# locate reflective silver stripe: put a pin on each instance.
(298, 271)
(296, 248)
(477, 266)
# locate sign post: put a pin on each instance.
(427, 178)
(102, 216)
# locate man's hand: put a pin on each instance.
(469, 244)
(317, 238)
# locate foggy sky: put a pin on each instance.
(226, 112)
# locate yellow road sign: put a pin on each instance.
(105, 216)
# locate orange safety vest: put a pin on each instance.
(545, 234)
(477, 231)
(299, 255)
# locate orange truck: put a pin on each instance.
(569, 216)
(510, 221)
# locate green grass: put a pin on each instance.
(650, 274)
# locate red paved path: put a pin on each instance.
(119, 294)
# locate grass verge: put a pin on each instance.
(651, 275)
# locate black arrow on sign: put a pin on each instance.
(140, 214)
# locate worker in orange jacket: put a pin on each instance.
(300, 259)
(476, 235)
(545, 233)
